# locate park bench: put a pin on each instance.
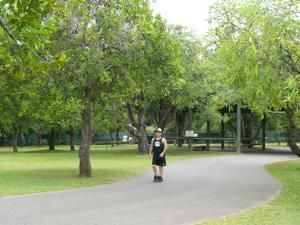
(200, 148)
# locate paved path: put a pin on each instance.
(194, 190)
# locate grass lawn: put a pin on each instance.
(35, 169)
(282, 210)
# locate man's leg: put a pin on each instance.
(155, 170)
(161, 171)
(156, 173)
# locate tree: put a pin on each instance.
(256, 47)
(195, 89)
(94, 38)
(25, 27)
(192, 87)
(161, 112)
(108, 122)
(154, 69)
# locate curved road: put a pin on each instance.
(193, 191)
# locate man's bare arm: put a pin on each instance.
(165, 147)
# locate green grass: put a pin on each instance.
(35, 169)
(282, 210)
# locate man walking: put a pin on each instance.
(159, 148)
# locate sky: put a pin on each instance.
(190, 13)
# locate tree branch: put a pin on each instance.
(130, 114)
(6, 30)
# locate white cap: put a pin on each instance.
(158, 130)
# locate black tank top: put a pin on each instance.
(158, 145)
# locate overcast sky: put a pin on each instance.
(190, 13)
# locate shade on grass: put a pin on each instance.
(35, 169)
(282, 210)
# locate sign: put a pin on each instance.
(125, 138)
(189, 133)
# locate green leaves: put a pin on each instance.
(255, 52)
(25, 30)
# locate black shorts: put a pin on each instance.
(157, 160)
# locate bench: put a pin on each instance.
(200, 148)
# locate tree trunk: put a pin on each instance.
(190, 126)
(180, 116)
(222, 132)
(247, 130)
(292, 132)
(165, 113)
(138, 129)
(72, 139)
(111, 138)
(232, 127)
(38, 138)
(208, 123)
(118, 136)
(2, 137)
(15, 138)
(263, 124)
(58, 134)
(85, 169)
(51, 139)
(142, 134)
(21, 138)
(142, 140)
